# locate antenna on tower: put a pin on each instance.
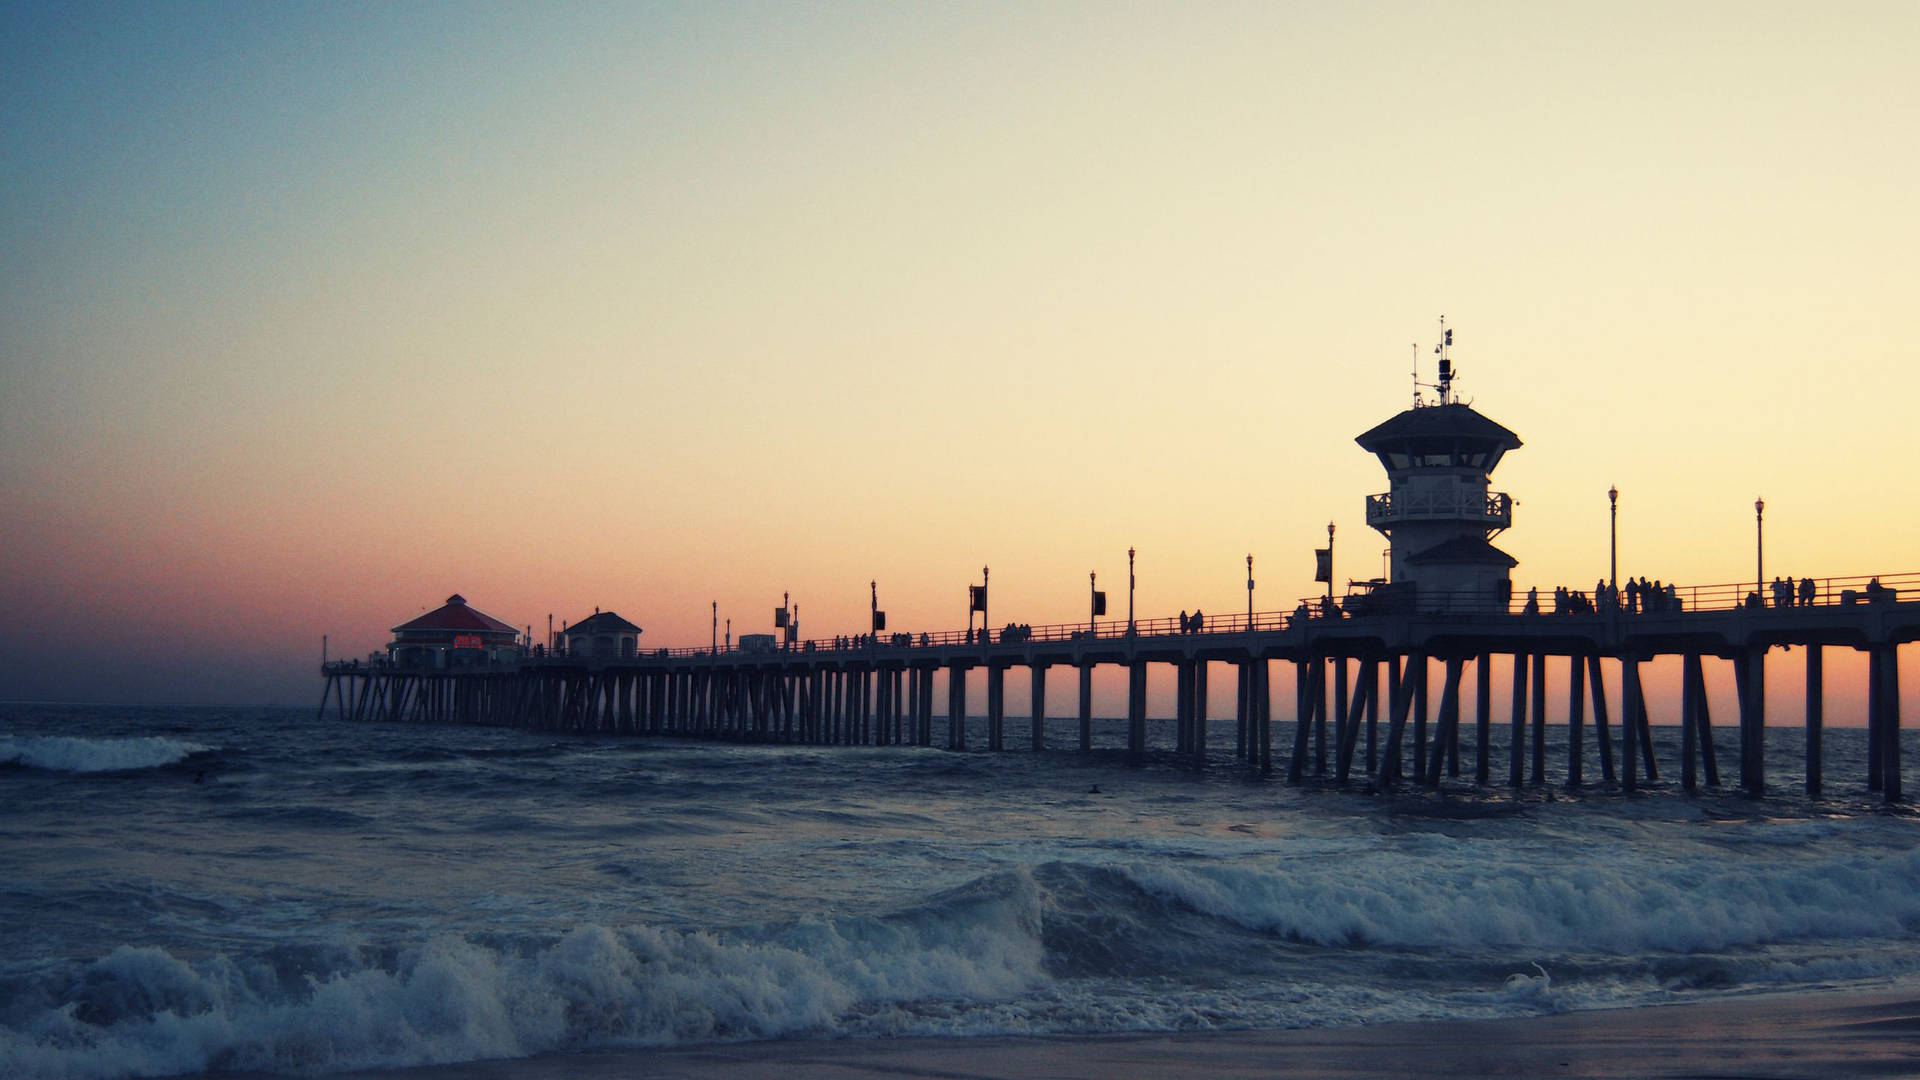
(1446, 365)
(1416, 376)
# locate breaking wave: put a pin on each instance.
(61, 753)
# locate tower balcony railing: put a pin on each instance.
(1493, 510)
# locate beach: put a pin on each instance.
(1872, 1033)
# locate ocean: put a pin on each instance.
(187, 890)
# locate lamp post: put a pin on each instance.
(1130, 627)
(714, 647)
(1613, 538)
(1329, 560)
(1093, 605)
(1759, 546)
(1249, 592)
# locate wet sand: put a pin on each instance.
(1839, 1034)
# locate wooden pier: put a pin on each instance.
(1363, 687)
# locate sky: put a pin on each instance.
(312, 315)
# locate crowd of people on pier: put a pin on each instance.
(1636, 597)
(1786, 594)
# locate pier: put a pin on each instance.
(1363, 687)
(1365, 665)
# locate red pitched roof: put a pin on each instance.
(456, 615)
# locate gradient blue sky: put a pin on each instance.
(312, 314)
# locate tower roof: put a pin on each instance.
(456, 615)
(603, 622)
(1464, 549)
(1434, 427)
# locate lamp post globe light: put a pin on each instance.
(1759, 546)
(1613, 537)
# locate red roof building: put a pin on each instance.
(454, 635)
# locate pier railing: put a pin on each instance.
(1728, 596)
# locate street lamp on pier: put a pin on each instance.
(1759, 546)
(1329, 560)
(1613, 538)
(1249, 592)
(1130, 626)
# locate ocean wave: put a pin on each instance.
(62, 753)
(1483, 895)
(144, 1011)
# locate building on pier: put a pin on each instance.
(602, 635)
(1437, 513)
(453, 636)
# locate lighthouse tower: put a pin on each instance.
(1438, 513)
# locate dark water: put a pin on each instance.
(184, 890)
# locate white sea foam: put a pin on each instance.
(1466, 895)
(60, 753)
(147, 1012)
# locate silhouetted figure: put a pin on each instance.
(1782, 593)
(1184, 627)
(1198, 621)
(1633, 597)
(1533, 600)
(1807, 589)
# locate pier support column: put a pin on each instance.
(1136, 710)
(1200, 713)
(1576, 719)
(1517, 744)
(956, 708)
(1393, 753)
(1417, 673)
(1689, 723)
(1483, 717)
(996, 707)
(1039, 713)
(1750, 674)
(1890, 757)
(1086, 708)
(1447, 730)
(1602, 737)
(1816, 709)
(1261, 705)
(1349, 729)
(1883, 720)
(1244, 671)
(1373, 716)
(1629, 722)
(1182, 707)
(1309, 689)
(1334, 715)
(1539, 718)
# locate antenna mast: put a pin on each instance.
(1446, 365)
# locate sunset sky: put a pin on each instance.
(314, 314)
